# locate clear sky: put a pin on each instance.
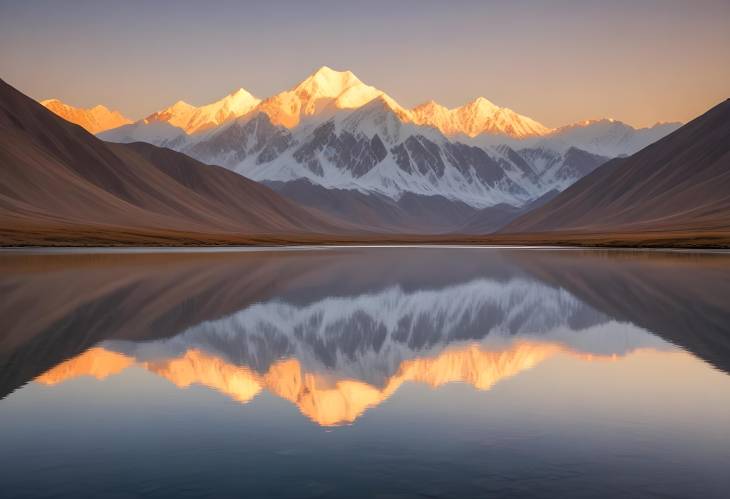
(639, 61)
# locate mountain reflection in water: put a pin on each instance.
(324, 400)
(337, 356)
(337, 332)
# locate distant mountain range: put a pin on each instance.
(347, 161)
(337, 132)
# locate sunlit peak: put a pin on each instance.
(484, 104)
(239, 91)
(325, 400)
(328, 82)
(181, 104)
(430, 105)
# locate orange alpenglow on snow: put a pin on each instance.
(95, 119)
(193, 119)
(96, 362)
(324, 91)
(322, 399)
(320, 95)
(477, 117)
(327, 91)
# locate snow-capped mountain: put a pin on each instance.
(371, 149)
(480, 122)
(193, 119)
(159, 133)
(321, 95)
(478, 117)
(94, 119)
(335, 131)
(608, 137)
(170, 127)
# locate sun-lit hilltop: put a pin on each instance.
(327, 90)
(95, 119)
(323, 92)
(477, 117)
(197, 119)
(326, 401)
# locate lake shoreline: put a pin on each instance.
(120, 238)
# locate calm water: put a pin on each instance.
(392, 372)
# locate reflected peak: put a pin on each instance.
(320, 396)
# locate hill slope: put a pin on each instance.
(681, 182)
(58, 177)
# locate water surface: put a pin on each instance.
(365, 372)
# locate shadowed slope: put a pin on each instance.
(681, 182)
(681, 297)
(411, 214)
(55, 174)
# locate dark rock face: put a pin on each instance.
(257, 136)
(578, 163)
(426, 155)
(468, 159)
(408, 160)
(516, 160)
(354, 154)
(402, 159)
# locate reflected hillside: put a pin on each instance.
(348, 315)
(683, 297)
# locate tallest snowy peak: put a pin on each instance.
(321, 94)
(483, 105)
(326, 82)
(239, 102)
(181, 105)
(241, 93)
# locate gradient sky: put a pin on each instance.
(555, 61)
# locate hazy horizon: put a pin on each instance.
(557, 62)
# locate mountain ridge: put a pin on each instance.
(95, 119)
(338, 132)
(680, 182)
(329, 89)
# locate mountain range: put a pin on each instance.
(336, 132)
(335, 158)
